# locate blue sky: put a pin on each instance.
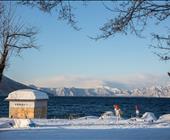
(69, 58)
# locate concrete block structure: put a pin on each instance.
(27, 104)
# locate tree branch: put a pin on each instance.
(62, 7)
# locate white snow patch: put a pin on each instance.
(165, 117)
(149, 117)
(22, 123)
(108, 115)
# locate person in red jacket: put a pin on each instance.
(118, 112)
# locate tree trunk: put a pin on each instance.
(1, 71)
(3, 60)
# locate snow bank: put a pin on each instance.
(165, 117)
(6, 123)
(149, 117)
(106, 121)
(22, 123)
(108, 115)
(16, 123)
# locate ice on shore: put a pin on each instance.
(106, 121)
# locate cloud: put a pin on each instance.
(123, 82)
(69, 81)
(139, 80)
(116, 84)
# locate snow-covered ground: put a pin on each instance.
(88, 134)
(106, 121)
(90, 127)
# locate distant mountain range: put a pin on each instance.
(7, 85)
(154, 91)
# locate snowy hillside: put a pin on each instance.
(154, 91)
(8, 85)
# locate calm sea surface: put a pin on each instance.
(65, 107)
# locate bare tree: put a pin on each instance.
(128, 16)
(63, 8)
(133, 16)
(14, 37)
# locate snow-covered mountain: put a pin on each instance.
(154, 91)
(7, 85)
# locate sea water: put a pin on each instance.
(74, 107)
